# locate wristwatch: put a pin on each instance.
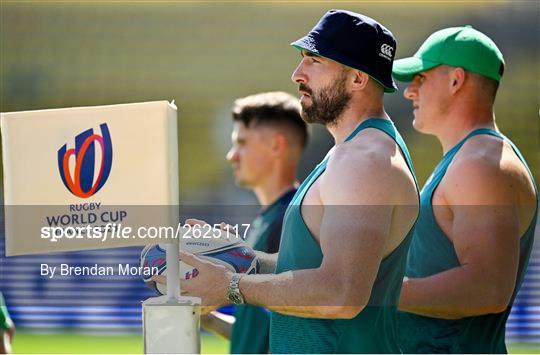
(233, 292)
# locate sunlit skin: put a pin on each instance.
(312, 63)
(370, 233)
(448, 103)
(484, 203)
(264, 160)
(326, 101)
(249, 154)
(429, 98)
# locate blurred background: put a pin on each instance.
(204, 55)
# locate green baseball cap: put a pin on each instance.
(462, 47)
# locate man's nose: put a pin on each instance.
(298, 75)
(232, 155)
(411, 91)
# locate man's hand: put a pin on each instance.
(212, 281)
(210, 284)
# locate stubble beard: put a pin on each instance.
(328, 103)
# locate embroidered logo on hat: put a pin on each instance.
(386, 51)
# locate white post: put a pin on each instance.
(173, 271)
(171, 328)
(171, 322)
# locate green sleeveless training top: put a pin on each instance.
(374, 329)
(432, 252)
(250, 332)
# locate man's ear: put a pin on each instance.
(279, 143)
(360, 80)
(457, 78)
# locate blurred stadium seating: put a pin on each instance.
(76, 53)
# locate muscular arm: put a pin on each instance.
(218, 323)
(335, 289)
(357, 193)
(484, 232)
(353, 232)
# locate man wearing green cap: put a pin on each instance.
(478, 209)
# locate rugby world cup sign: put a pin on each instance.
(101, 167)
(82, 183)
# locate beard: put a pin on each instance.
(328, 103)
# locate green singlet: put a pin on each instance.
(374, 329)
(250, 331)
(432, 252)
(5, 321)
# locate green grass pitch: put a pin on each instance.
(28, 343)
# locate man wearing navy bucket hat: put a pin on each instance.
(334, 286)
(478, 209)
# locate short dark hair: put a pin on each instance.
(272, 108)
(487, 85)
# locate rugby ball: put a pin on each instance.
(235, 254)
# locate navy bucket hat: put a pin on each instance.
(356, 41)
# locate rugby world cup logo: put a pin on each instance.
(84, 182)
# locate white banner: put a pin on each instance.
(90, 172)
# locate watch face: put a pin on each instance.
(233, 292)
(235, 298)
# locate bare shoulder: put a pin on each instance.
(369, 167)
(370, 146)
(486, 170)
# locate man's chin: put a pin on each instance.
(419, 127)
(305, 106)
(318, 120)
(307, 119)
(305, 101)
(241, 182)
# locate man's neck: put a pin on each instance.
(271, 190)
(350, 119)
(456, 130)
(470, 110)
